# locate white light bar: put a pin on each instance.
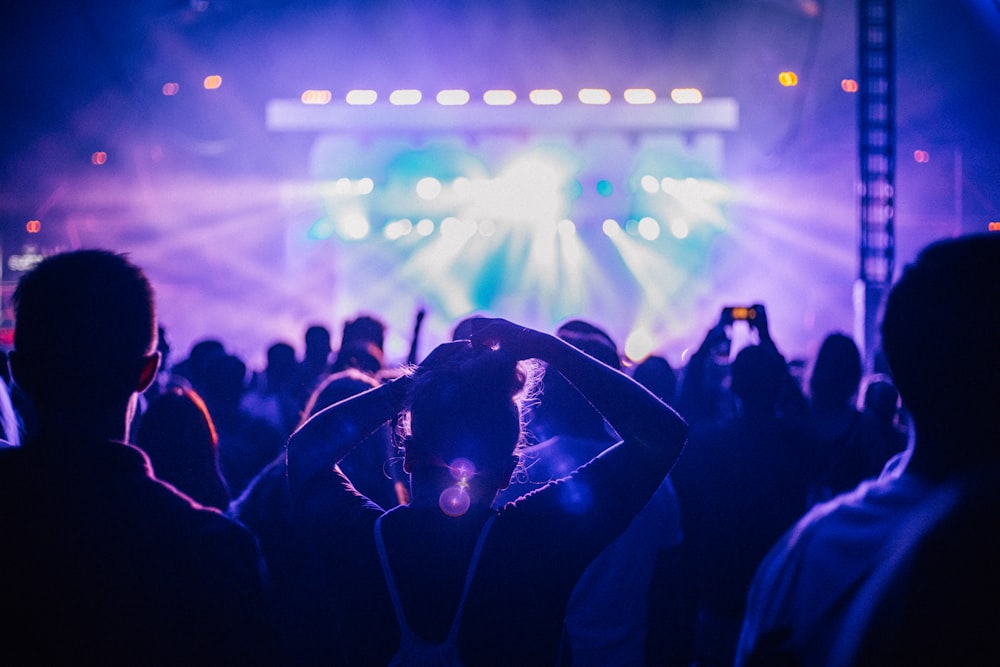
(717, 113)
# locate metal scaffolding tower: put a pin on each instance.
(877, 161)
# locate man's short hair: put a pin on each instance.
(939, 331)
(84, 321)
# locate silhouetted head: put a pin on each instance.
(757, 374)
(336, 387)
(836, 373)
(361, 345)
(881, 397)
(317, 341)
(939, 334)
(561, 409)
(591, 339)
(364, 329)
(281, 364)
(85, 330)
(467, 407)
(201, 356)
(657, 375)
(180, 439)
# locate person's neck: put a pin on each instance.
(426, 489)
(83, 422)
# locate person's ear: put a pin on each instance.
(147, 373)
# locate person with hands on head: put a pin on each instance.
(437, 574)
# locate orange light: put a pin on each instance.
(995, 226)
(33, 226)
(788, 79)
(213, 81)
(317, 97)
(171, 88)
(921, 156)
(849, 86)
(98, 157)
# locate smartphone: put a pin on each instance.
(739, 314)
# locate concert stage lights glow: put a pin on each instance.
(500, 98)
(686, 96)
(405, 97)
(361, 97)
(545, 96)
(640, 96)
(594, 96)
(453, 97)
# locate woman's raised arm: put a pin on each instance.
(633, 411)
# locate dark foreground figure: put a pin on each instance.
(102, 563)
(903, 570)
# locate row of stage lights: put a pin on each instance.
(503, 97)
(356, 227)
(538, 97)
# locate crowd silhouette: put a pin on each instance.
(516, 497)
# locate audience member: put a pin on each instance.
(178, 436)
(315, 364)
(742, 482)
(247, 441)
(436, 574)
(272, 394)
(102, 562)
(849, 442)
(881, 401)
(901, 570)
(266, 508)
(193, 369)
(361, 345)
(657, 375)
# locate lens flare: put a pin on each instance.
(454, 501)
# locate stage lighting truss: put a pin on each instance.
(637, 110)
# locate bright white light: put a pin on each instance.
(640, 96)
(679, 229)
(686, 95)
(428, 188)
(499, 98)
(462, 186)
(649, 229)
(594, 96)
(361, 97)
(650, 184)
(530, 189)
(545, 96)
(611, 228)
(365, 186)
(487, 228)
(353, 226)
(425, 227)
(566, 227)
(342, 186)
(639, 344)
(398, 229)
(453, 98)
(406, 97)
(456, 227)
